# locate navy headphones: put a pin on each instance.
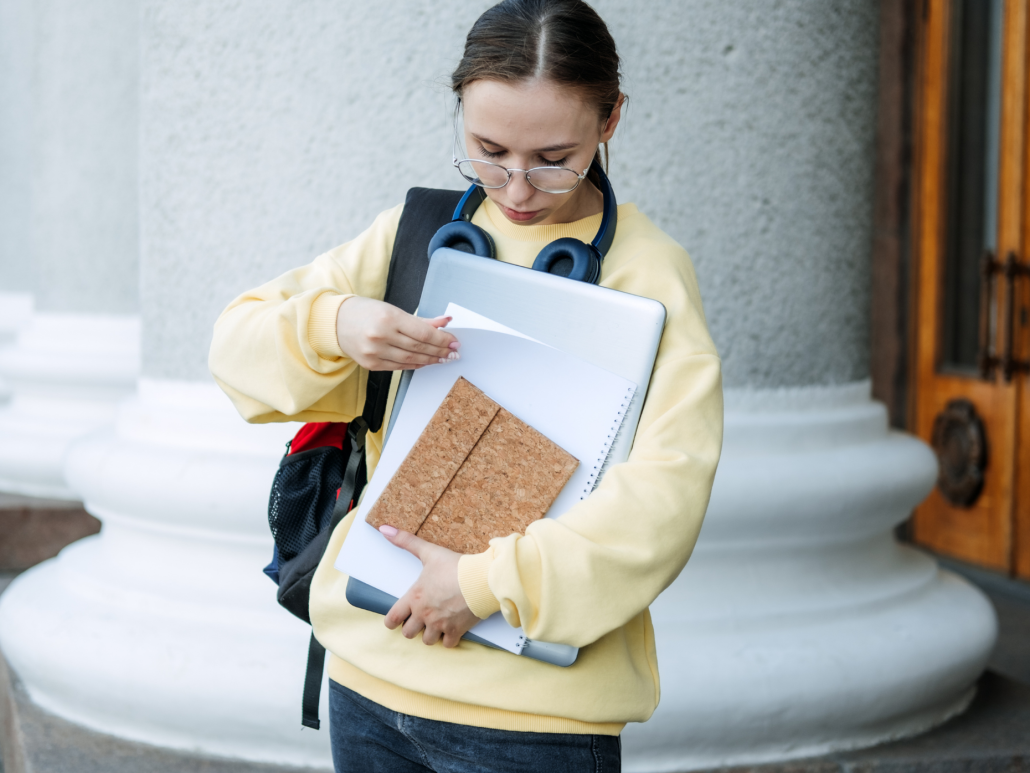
(566, 257)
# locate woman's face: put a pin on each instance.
(535, 123)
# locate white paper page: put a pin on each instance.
(576, 404)
(462, 317)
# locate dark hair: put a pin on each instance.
(563, 41)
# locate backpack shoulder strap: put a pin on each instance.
(425, 210)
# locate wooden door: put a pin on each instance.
(971, 229)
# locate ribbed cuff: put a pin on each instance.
(322, 325)
(472, 579)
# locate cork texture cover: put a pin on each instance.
(433, 460)
(476, 472)
(509, 480)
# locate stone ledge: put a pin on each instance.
(992, 736)
(35, 741)
(33, 530)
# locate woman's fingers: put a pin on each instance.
(409, 358)
(389, 365)
(451, 639)
(405, 540)
(424, 337)
(379, 336)
(398, 614)
(412, 627)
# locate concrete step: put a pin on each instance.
(33, 530)
(1011, 599)
(35, 741)
(993, 736)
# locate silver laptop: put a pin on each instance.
(610, 329)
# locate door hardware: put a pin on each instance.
(1009, 364)
(988, 359)
(960, 441)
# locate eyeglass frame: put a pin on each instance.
(455, 161)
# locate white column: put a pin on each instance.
(15, 172)
(78, 353)
(15, 312)
(799, 626)
(267, 137)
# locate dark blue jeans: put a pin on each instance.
(368, 738)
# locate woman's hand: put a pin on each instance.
(434, 602)
(379, 336)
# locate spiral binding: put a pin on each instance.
(601, 463)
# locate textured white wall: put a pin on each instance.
(750, 139)
(17, 32)
(274, 131)
(84, 209)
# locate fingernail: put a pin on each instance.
(454, 345)
(444, 360)
(453, 356)
(389, 531)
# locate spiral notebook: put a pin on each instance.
(574, 403)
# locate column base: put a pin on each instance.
(66, 373)
(163, 629)
(32, 739)
(15, 312)
(800, 626)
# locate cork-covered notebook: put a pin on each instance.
(476, 472)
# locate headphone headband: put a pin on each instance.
(606, 233)
(469, 203)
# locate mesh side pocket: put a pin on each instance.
(303, 497)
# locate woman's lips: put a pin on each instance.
(512, 214)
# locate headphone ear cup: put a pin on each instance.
(464, 237)
(570, 258)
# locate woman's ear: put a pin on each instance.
(613, 119)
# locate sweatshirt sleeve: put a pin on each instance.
(574, 578)
(275, 351)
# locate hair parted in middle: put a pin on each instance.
(563, 41)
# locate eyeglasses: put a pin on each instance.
(486, 174)
(549, 179)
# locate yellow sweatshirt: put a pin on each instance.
(584, 579)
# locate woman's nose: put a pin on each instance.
(519, 189)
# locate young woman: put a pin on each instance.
(539, 89)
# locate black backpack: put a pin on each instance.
(323, 472)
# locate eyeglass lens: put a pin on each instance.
(549, 179)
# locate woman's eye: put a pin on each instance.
(559, 162)
(487, 154)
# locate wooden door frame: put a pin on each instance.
(890, 322)
(929, 203)
(1021, 504)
